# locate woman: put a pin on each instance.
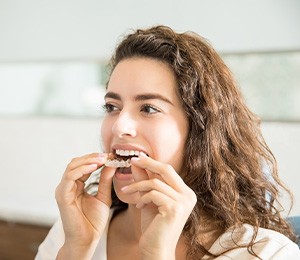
(188, 180)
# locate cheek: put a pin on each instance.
(106, 134)
(169, 143)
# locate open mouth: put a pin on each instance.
(121, 158)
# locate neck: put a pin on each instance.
(209, 232)
(128, 226)
(131, 223)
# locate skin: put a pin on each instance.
(143, 113)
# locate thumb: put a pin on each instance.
(105, 185)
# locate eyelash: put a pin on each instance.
(148, 106)
(109, 108)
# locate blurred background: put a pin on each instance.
(53, 57)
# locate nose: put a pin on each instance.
(125, 125)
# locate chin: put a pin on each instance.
(128, 198)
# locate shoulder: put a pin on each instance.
(269, 244)
(274, 245)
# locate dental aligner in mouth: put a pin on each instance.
(121, 158)
(115, 163)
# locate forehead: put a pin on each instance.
(143, 75)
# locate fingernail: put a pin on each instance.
(102, 157)
(124, 188)
(135, 159)
(142, 154)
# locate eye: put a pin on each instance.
(108, 108)
(149, 109)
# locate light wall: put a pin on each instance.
(76, 29)
(34, 151)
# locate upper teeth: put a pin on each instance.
(127, 152)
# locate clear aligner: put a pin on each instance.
(117, 164)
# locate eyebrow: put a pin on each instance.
(141, 97)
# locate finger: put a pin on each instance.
(139, 174)
(68, 184)
(166, 171)
(79, 172)
(98, 158)
(79, 187)
(157, 198)
(105, 185)
(153, 184)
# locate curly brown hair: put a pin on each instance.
(225, 153)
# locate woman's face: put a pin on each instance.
(144, 113)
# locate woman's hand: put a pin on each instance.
(165, 202)
(84, 216)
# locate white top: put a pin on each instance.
(269, 244)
